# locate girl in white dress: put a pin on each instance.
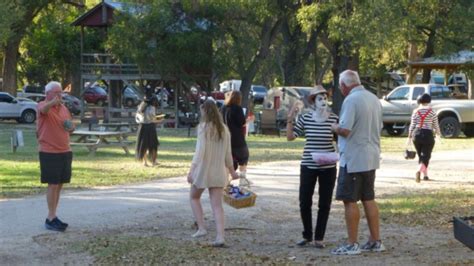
(210, 168)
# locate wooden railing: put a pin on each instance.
(106, 64)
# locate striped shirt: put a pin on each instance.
(430, 122)
(318, 138)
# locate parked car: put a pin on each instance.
(95, 95)
(454, 115)
(258, 93)
(72, 103)
(131, 96)
(21, 109)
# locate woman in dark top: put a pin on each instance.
(315, 126)
(234, 118)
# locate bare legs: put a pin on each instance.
(52, 198)
(153, 154)
(243, 176)
(352, 216)
(424, 169)
(243, 168)
(216, 204)
(195, 197)
(372, 214)
(215, 195)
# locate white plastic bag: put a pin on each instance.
(323, 158)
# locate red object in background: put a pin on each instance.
(95, 94)
(217, 95)
(276, 101)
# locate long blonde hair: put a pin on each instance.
(213, 120)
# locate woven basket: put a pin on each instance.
(241, 202)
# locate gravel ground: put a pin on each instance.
(269, 229)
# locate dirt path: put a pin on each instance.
(269, 229)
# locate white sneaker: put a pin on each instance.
(347, 249)
(200, 233)
(376, 246)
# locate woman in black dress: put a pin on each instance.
(234, 118)
(147, 140)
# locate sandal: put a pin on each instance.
(218, 244)
(303, 242)
(319, 244)
(200, 233)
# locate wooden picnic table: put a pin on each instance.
(117, 126)
(94, 140)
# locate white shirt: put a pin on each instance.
(361, 113)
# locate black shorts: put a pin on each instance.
(355, 186)
(55, 167)
(240, 156)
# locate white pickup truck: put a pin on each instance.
(455, 115)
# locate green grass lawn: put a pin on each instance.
(19, 172)
(434, 209)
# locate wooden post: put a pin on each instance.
(176, 102)
(13, 140)
(17, 140)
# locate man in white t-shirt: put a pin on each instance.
(360, 124)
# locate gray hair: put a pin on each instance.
(349, 78)
(51, 85)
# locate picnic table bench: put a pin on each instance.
(94, 140)
(118, 126)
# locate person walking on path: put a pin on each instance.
(147, 140)
(424, 122)
(212, 162)
(234, 118)
(359, 130)
(53, 128)
(315, 126)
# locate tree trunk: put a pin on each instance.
(298, 50)
(9, 65)
(18, 30)
(340, 63)
(321, 71)
(429, 52)
(268, 34)
(469, 77)
(412, 56)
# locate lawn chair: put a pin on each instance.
(268, 122)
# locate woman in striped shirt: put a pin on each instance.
(424, 122)
(315, 126)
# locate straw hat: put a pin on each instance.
(317, 90)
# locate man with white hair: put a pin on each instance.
(53, 128)
(359, 128)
